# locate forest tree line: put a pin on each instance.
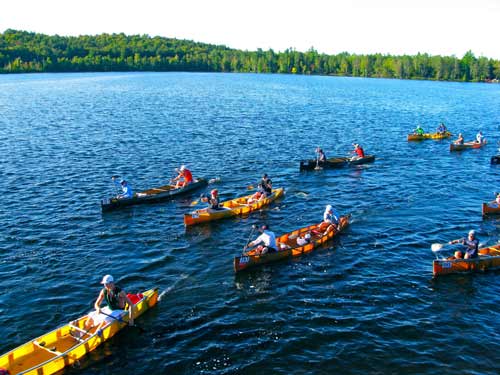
(23, 52)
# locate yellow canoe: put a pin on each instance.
(416, 137)
(230, 208)
(55, 350)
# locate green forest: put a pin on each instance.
(23, 52)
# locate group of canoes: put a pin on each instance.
(472, 258)
(65, 345)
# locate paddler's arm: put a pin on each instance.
(97, 304)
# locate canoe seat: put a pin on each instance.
(41, 345)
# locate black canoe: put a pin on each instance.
(336, 162)
(162, 193)
(495, 159)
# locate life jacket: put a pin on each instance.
(360, 152)
(112, 298)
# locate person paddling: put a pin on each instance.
(267, 184)
(260, 194)
(267, 239)
(419, 130)
(321, 157)
(212, 200)
(459, 140)
(116, 300)
(330, 221)
(471, 244)
(126, 189)
(441, 128)
(480, 138)
(184, 177)
(358, 151)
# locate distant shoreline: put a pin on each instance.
(27, 52)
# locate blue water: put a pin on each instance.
(366, 304)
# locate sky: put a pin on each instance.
(437, 27)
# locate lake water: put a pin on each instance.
(366, 304)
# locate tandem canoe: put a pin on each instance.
(153, 195)
(467, 145)
(62, 347)
(230, 208)
(488, 259)
(490, 208)
(416, 137)
(336, 162)
(251, 259)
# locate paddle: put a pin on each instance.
(120, 319)
(249, 236)
(317, 167)
(113, 178)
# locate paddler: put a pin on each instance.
(184, 177)
(459, 140)
(471, 244)
(267, 239)
(321, 157)
(358, 151)
(330, 221)
(442, 128)
(260, 194)
(419, 130)
(480, 138)
(126, 189)
(212, 200)
(267, 184)
(116, 300)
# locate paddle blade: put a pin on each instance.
(436, 247)
(250, 187)
(194, 203)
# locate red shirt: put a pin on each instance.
(359, 151)
(188, 177)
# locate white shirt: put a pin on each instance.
(268, 238)
(479, 138)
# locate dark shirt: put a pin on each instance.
(112, 298)
(267, 185)
(472, 247)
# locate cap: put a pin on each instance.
(108, 279)
(307, 236)
(182, 167)
(329, 207)
(472, 232)
(214, 192)
(123, 182)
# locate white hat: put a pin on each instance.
(182, 167)
(108, 279)
(473, 232)
(329, 207)
(307, 236)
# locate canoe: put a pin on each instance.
(490, 208)
(62, 347)
(416, 137)
(231, 208)
(489, 259)
(251, 259)
(495, 159)
(153, 195)
(336, 162)
(455, 147)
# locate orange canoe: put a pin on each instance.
(466, 145)
(488, 259)
(251, 259)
